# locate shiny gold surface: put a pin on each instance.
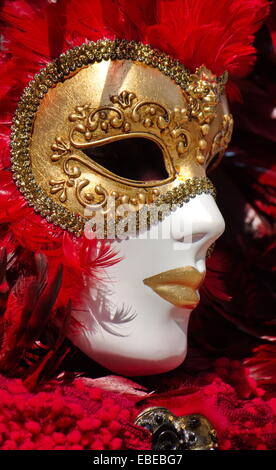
(178, 295)
(177, 286)
(107, 91)
(171, 432)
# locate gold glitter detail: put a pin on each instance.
(163, 205)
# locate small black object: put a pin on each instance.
(194, 422)
(166, 437)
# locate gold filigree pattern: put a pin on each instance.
(94, 127)
(92, 124)
(204, 94)
(124, 99)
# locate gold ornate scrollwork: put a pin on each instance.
(94, 127)
(87, 199)
(60, 148)
(221, 139)
(203, 96)
(59, 186)
(103, 119)
(151, 114)
(124, 99)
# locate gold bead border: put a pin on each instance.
(186, 191)
(57, 71)
(172, 199)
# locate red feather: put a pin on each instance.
(262, 365)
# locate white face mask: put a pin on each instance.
(129, 328)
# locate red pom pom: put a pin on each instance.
(115, 444)
(74, 437)
(59, 437)
(33, 427)
(89, 424)
(27, 445)
(261, 447)
(114, 427)
(45, 443)
(9, 445)
(95, 393)
(97, 445)
(64, 423)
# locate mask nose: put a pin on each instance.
(196, 225)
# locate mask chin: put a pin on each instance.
(137, 354)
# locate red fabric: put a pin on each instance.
(79, 415)
(72, 417)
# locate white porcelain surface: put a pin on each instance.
(154, 339)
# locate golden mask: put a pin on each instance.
(119, 119)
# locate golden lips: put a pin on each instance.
(178, 286)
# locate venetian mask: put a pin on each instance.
(119, 120)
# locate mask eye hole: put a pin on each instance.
(136, 159)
